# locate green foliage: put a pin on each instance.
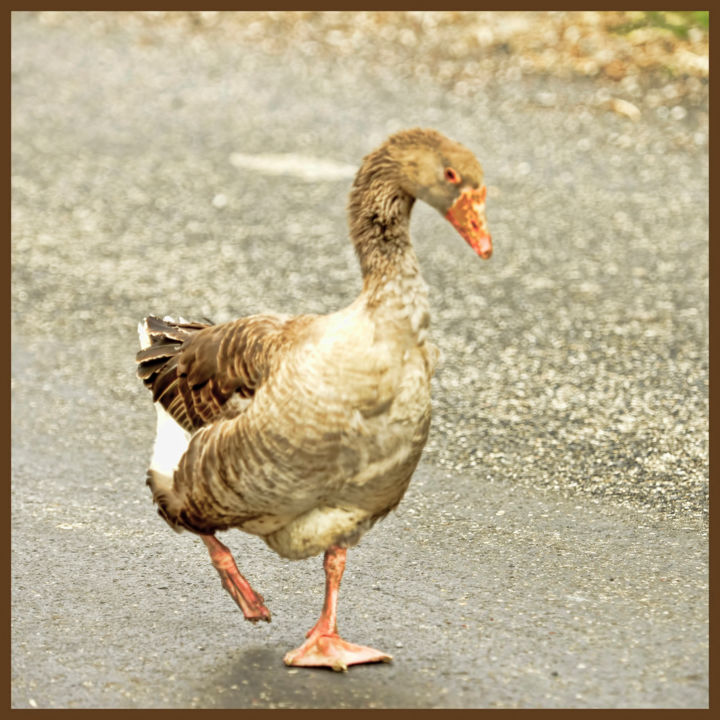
(678, 22)
(701, 18)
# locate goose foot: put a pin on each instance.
(250, 602)
(333, 652)
(324, 647)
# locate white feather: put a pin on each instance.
(171, 442)
(143, 334)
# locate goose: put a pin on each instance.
(305, 430)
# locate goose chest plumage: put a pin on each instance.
(305, 430)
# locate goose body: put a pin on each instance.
(305, 430)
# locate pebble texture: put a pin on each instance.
(161, 166)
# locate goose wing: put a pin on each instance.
(200, 372)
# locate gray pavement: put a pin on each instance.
(551, 551)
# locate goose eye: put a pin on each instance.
(451, 175)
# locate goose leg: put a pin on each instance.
(250, 602)
(324, 647)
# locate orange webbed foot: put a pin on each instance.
(330, 650)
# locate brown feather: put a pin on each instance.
(193, 369)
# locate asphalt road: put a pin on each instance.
(552, 548)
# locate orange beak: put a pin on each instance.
(467, 215)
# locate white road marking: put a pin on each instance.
(304, 167)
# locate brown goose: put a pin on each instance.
(306, 430)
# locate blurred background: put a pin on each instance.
(613, 44)
(198, 164)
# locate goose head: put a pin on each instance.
(447, 176)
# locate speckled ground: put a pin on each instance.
(575, 360)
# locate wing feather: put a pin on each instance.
(194, 368)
